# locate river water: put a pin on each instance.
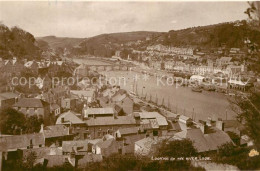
(181, 100)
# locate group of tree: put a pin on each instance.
(17, 42)
(237, 156)
(13, 122)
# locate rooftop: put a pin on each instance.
(100, 111)
(31, 102)
(120, 120)
(20, 141)
(69, 117)
(205, 142)
(55, 131)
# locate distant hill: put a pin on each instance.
(229, 34)
(106, 44)
(15, 42)
(60, 42)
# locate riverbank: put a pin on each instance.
(181, 100)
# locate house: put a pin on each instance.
(154, 122)
(100, 126)
(26, 141)
(86, 95)
(55, 134)
(235, 70)
(8, 99)
(55, 109)
(107, 147)
(40, 152)
(73, 121)
(204, 142)
(97, 112)
(79, 147)
(123, 101)
(186, 120)
(145, 146)
(52, 161)
(75, 146)
(127, 137)
(68, 103)
(81, 162)
(54, 95)
(230, 126)
(32, 106)
(223, 61)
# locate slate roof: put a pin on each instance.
(55, 131)
(106, 143)
(55, 160)
(126, 131)
(42, 151)
(69, 117)
(155, 118)
(205, 142)
(233, 124)
(20, 141)
(120, 120)
(54, 106)
(72, 146)
(80, 93)
(149, 115)
(185, 118)
(162, 121)
(100, 111)
(8, 95)
(82, 162)
(31, 102)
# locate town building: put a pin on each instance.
(38, 107)
(100, 126)
(8, 99)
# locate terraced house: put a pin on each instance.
(31, 106)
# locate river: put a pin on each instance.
(181, 100)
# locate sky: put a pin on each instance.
(86, 19)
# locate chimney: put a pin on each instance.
(41, 131)
(84, 112)
(203, 127)
(62, 120)
(220, 125)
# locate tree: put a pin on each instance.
(238, 156)
(11, 121)
(29, 160)
(249, 106)
(176, 148)
(33, 124)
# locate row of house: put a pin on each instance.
(16, 66)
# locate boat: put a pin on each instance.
(196, 89)
(132, 93)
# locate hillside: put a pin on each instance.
(106, 44)
(60, 42)
(230, 34)
(15, 42)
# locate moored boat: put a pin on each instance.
(196, 89)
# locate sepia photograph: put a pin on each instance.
(143, 85)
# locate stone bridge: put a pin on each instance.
(83, 69)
